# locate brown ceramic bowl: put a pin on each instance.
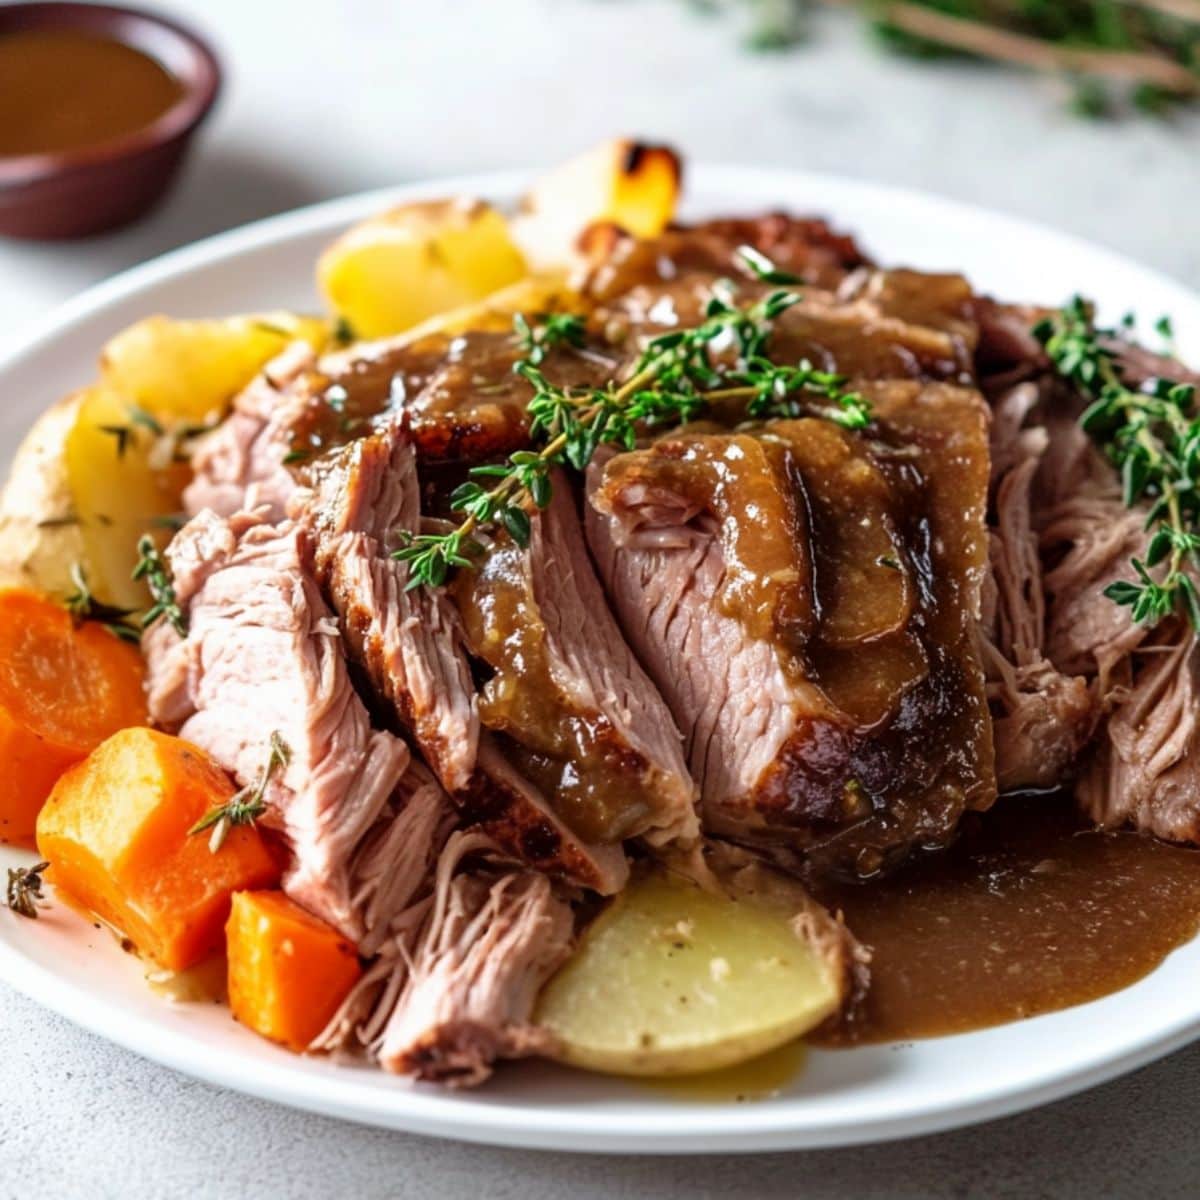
(73, 193)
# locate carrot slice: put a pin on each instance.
(115, 832)
(63, 689)
(288, 971)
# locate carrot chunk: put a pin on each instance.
(63, 689)
(288, 971)
(115, 832)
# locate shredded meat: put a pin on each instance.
(1147, 770)
(263, 654)
(1042, 718)
(492, 938)
(240, 467)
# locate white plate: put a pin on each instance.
(840, 1097)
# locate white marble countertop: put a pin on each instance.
(327, 98)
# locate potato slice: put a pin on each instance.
(628, 183)
(40, 535)
(190, 370)
(404, 266)
(117, 495)
(673, 979)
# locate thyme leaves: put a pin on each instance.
(1151, 434)
(676, 376)
(24, 891)
(247, 805)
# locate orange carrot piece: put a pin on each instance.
(288, 971)
(63, 689)
(115, 832)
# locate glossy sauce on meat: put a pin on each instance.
(590, 777)
(459, 392)
(1030, 911)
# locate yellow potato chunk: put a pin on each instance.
(190, 370)
(627, 183)
(40, 537)
(671, 979)
(405, 266)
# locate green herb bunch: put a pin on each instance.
(675, 378)
(1152, 436)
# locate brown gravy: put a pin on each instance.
(1030, 911)
(60, 90)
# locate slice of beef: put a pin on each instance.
(409, 641)
(805, 247)
(777, 583)
(1042, 719)
(411, 644)
(263, 655)
(567, 701)
(492, 938)
(456, 392)
(1147, 769)
(240, 466)
(878, 325)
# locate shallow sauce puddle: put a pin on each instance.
(1030, 911)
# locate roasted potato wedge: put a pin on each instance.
(40, 535)
(190, 370)
(673, 979)
(627, 183)
(99, 468)
(393, 271)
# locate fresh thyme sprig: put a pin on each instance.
(1152, 435)
(152, 567)
(24, 891)
(83, 606)
(676, 377)
(247, 805)
(549, 331)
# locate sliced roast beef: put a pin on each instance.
(583, 752)
(241, 466)
(1147, 769)
(777, 583)
(492, 937)
(410, 641)
(805, 247)
(263, 656)
(566, 700)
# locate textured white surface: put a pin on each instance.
(325, 99)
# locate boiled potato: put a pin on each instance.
(118, 493)
(404, 266)
(672, 979)
(99, 468)
(543, 293)
(628, 183)
(190, 370)
(40, 535)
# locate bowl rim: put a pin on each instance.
(200, 83)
